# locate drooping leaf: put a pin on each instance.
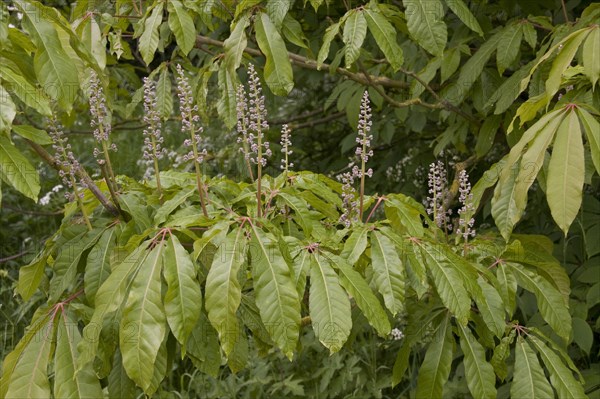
(460, 9)
(292, 30)
(98, 264)
(562, 61)
(388, 272)
(401, 363)
(30, 277)
(330, 33)
(405, 214)
(32, 96)
(223, 290)
(561, 377)
(16, 170)
(591, 55)
(8, 110)
(226, 105)
(169, 206)
(143, 323)
(329, 305)
(119, 384)
(447, 281)
(29, 377)
(491, 308)
(235, 44)
(148, 42)
(68, 383)
(508, 46)
(591, 127)
(566, 173)
(425, 24)
(164, 95)
(276, 295)
(301, 213)
(508, 288)
(500, 355)
(480, 374)
(549, 300)
(182, 26)
(92, 38)
(183, 299)
(355, 31)
(365, 299)
(435, 369)
(278, 69)
(355, 245)
(301, 268)
(33, 134)
(529, 380)
(108, 299)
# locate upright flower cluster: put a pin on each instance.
(100, 119)
(257, 120)
(153, 139)
(286, 147)
(466, 220)
(189, 119)
(363, 152)
(438, 191)
(69, 166)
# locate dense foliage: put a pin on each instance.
(190, 255)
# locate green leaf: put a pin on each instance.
(301, 268)
(54, 69)
(278, 69)
(450, 63)
(501, 353)
(330, 33)
(530, 34)
(235, 44)
(97, 268)
(143, 323)
(148, 43)
(29, 378)
(30, 277)
(491, 308)
(226, 105)
(33, 134)
(182, 25)
(169, 206)
(223, 290)
(108, 299)
(119, 384)
(8, 110)
(480, 374)
(164, 95)
(508, 46)
(292, 30)
(183, 299)
(591, 55)
(561, 377)
(591, 126)
(401, 363)
(405, 214)
(460, 9)
(355, 31)
(92, 38)
(449, 285)
(32, 96)
(508, 288)
(365, 299)
(435, 369)
(355, 245)
(562, 61)
(16, 170)
(329, 305)
(549, 300)
(388, 272)
(425, 24)
(529, 380)
(566, 173)
(68, 383)
(506, 211)
(276, 295)
(301, 213)
(583, 335)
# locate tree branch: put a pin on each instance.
(81, 173)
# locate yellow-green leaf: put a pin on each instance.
(355, 31)
(426, 25)
(591, 127)
(591, 55)
(388, 272)
(481, 379)
(16, 170)
(435, 369)
(148, 42)
(182, 26)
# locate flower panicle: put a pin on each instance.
(286, 147)
(100, 118)
(153, 139)
(257, 120)
(466, 220)
(190, 119)
(438, 191)
(66, 159)
(363, 150)
(350, 201)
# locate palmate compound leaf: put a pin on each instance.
(276, 295)
(480, 374)
(183, 299)
(143, 323)
(388, 271)
(108, 299)
(435, 369)
(68, 383)
(550, 302)
(529, 380)
(223, 290)
(329, 305)
(561, 377)
(566, 173)
(365, 299)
